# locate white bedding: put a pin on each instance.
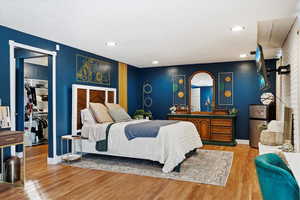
(169, 147)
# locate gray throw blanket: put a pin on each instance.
(146, 129)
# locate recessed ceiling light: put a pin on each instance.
(155, 62)
(237, 28)
(243, 55)
(111, 44)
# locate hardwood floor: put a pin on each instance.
(65, 182)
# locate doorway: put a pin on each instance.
(17, 95)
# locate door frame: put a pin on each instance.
(12, 63)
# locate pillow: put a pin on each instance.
(87, 117)
(100, 112)
(271, 138)
(111, 106)
(119, 115)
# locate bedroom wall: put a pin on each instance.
(65, 75)
(134, 90)
(288, 85)
(246, 88)
(34, 71)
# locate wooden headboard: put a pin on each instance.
(82, 95)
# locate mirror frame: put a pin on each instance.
(213, 104)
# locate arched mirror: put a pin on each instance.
(202, 92)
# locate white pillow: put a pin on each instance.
(87, 117)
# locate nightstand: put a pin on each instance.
(7, 139)
(74, 154)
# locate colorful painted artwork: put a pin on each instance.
(179, 97)
(225, 88)
(92, 70)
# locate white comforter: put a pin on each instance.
(169, 147)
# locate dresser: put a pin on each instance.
(213, 129)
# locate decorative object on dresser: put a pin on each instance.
(8, 139)
(213, 129)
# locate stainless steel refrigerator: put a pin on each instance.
(258, 115)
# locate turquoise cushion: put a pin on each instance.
(275, 179)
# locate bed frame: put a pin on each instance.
(82, 95)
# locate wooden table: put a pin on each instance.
(8, 139)
(71, 156)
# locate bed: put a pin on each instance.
(169, 148)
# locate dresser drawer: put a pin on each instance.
(221, 122)
(221, 129)
(178, 118)
(221, 137)
(11, 139)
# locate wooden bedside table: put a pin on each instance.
(73, 155)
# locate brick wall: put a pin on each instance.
(288, 86)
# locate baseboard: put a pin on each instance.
(54, 161)
(242, 141)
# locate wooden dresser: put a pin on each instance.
(213, 129)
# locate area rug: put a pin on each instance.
(204, 166)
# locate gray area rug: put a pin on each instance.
(204, 166)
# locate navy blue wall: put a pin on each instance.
(134, 89)
(246, 88)
(65, 75)
(33, 71)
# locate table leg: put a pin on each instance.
(81, 148)
(24, 160)
(2, 165)
(68, 151)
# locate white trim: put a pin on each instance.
(12, 46)
(239, 141)
(24, 46)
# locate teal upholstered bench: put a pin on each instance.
(275, 179)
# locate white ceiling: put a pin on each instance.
(171, 31)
